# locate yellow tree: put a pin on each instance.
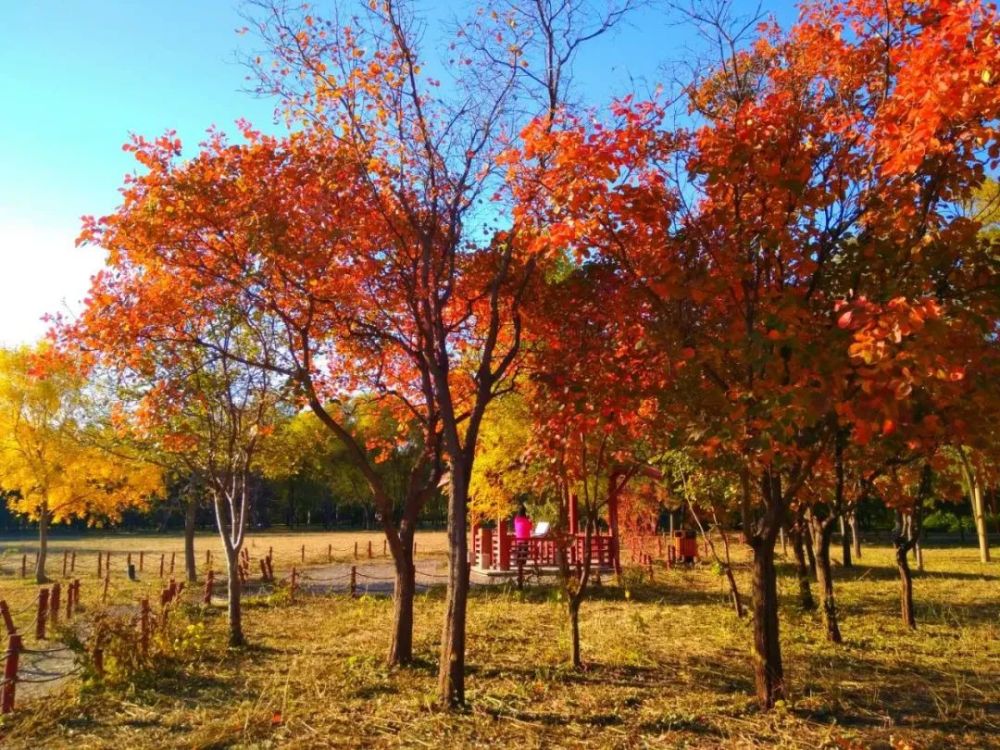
(502, 472)
(49, 459)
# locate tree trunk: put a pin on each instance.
(823, 534)
(808, 542)
(574, 625)
(852, 521)
(235, 610)
(43, 545)
(979, 514)
(975, 490)
(401, 648)
(905, 582)
(801, 569)
(768, 671)
(845, 542)
(451, 675)
(190, 518)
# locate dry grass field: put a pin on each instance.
(668, 664)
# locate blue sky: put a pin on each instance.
(80, 75)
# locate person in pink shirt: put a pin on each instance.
(522, 525)
(522, 533)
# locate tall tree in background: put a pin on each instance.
(200, 403)
(443, 291)
(50, 462)
(275, 236)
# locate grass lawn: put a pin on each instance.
(668, 666)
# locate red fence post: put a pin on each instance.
(10, 674)
(303, 553)
(54, 604)
(172, 556)
(43, 614)
(208, 558)
(128, 561)
(161, 565)
(354, 580)
(72, 563)
(142, 556)
(107, 582)
(263, 570)
(100, 571)
(24, 566)
(369, 549)
(209, 580)
(65, 561)
(7, 620)
(355, 550)
(107, 563)
(292, 590)
(383, 548)
(144, 626)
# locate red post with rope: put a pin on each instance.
(354, 580)
(72, 563)
(161, 565)
(172, 556)
(10, 673)
(293, 581)
(8, 621)
(107, 563)
(54, 604)
(43, 614)
(100, 571)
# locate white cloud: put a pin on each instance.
(41, 271)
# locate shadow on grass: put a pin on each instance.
(667, 593)
(915, 694)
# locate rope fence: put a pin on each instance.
(61, 601)
(166, 562)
